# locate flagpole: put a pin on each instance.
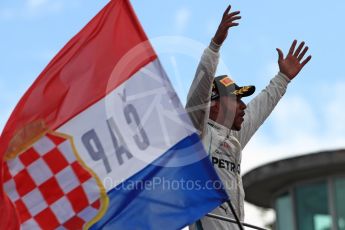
(235, 215)
(233, 221)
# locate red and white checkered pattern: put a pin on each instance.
(50, 188)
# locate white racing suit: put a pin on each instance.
(223, 145)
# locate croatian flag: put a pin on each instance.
(101, 141)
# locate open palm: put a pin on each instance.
(229, 19)
(292, 64)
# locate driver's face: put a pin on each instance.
(232, 108)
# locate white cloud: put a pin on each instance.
(272, 69)
(181, 19)
(334, 109)
(293, 116)
(257, 216)
(297, 128)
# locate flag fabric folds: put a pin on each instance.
(101, 141)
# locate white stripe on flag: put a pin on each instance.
(146, 97)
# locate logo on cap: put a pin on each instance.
(226, 81)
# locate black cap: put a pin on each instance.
(225, 86)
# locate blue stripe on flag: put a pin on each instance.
(168, 203)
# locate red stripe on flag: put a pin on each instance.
(78, 76)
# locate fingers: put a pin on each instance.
(299, 48)
(230, 20)
(233, 14)
(306, 61)
(231, 24)
(300, 57)
(226, 12)
(227, 15)
(280, 54)
(292, 48)
(225, 27)
(233, 19)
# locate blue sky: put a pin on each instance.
(309, 118)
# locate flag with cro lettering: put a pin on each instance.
(101, 141)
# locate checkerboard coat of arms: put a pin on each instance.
(51, 186)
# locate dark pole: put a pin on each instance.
(235, 215)
(233, 221)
